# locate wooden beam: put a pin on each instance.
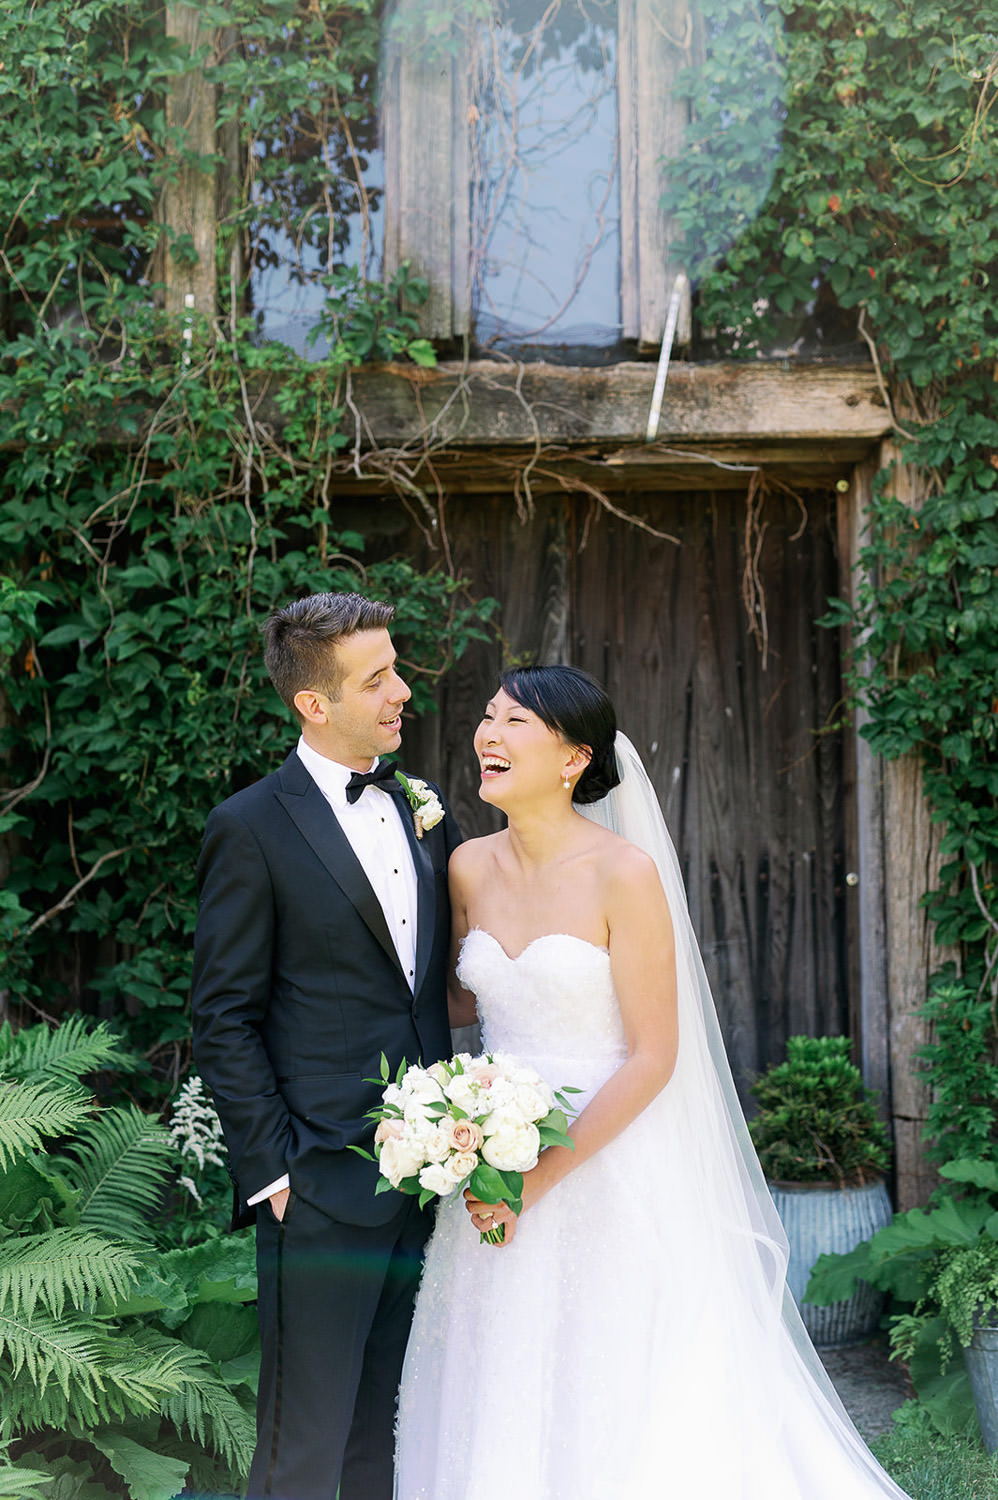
(911, 867)
(490, 404)
(479, 422)
(865, 831)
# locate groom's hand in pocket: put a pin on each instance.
(278, 1203)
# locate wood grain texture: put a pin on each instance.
(911, 867)
(189, 206)
(748, 773)
(654, 44)
(501, 405)
(424, 123)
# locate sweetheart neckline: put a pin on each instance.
(544, 937)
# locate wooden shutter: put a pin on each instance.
(656, 40)
(425, 133)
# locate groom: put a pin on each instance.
(321, 943)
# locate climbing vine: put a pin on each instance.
(168, 480)
(841, 188)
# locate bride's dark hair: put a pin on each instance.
(574, 705)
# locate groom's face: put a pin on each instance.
(365, 718)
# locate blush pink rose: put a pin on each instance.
(486, 1075)
(464, 1135)
(388, 1130)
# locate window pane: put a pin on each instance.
(317, 193)
(545, 182)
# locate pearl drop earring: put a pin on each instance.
(566, 783)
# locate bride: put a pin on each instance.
(632, 1336)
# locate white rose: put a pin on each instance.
(532, 1101)
(414, 1112)
(430, 813)
(501, 1095)
(461, 1165)
(435, 1177)
(463, 1092)
(400, 1159)
(418, 1084)
(513, 1146)
(393, 1095)
(436, 1144)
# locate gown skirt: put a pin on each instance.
(611, 1352)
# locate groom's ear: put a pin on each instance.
(312, 706)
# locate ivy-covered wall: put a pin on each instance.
(884, 165)
(152, 514)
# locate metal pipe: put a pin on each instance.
(680, 288)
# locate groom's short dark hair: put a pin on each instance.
(301, 641)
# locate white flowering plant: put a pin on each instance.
(195, 1133)
(477, 1122)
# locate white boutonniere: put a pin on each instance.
(427, 809)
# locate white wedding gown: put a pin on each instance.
(616, 1349)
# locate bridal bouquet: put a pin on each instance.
(478, 1122)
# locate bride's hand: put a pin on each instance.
(486, 1216)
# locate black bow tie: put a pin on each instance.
(382, 776)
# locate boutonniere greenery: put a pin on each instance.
(427, 809)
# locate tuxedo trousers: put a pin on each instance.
(334, 1304)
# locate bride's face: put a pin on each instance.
(521, 759)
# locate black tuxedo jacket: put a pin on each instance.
(298, 990)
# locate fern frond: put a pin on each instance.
(83, 1372)
(22, 1484)
(31, 1111)
(77, 1264)
(62, 1053)
(119, 1163)
(51, 1356)
(67, 1478)
(213, 1416)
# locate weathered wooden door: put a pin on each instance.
(742, 750)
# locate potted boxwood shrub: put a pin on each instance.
(824, 1152)
(966, 1290)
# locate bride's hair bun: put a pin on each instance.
(574, 705)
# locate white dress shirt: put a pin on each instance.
(373, 825)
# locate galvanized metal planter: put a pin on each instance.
(982, 1368)
(823, 1220)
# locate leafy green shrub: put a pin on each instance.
(816, 1121)
(906, 1259)
(124, 1370)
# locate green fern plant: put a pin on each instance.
(111, 1378)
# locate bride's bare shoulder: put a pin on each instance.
(623, 865)
(469, 858)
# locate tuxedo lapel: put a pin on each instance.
(426, 896)
(320, 828)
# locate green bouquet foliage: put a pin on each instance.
(816, 1121)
